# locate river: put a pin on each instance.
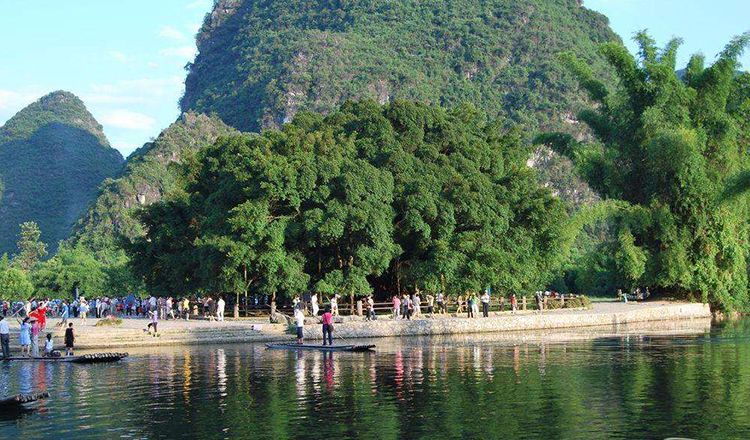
(625, 383)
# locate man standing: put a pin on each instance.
(220, 309)
(5, 336)
(486, 303)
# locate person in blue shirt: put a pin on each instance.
(64, 314)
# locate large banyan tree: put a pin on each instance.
(369, 198)
(670, 151)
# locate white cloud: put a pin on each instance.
(134, 91)
(152, 65)
(185, 52)
(203, 4)
(171, 33)
(119, 56)
(128, 120)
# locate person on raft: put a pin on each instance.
(327, 321)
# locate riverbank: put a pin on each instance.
(131, 332)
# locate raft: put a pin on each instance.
(96, 358)
(291, 346)
(21, 399)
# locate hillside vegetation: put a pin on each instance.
(262, 61)
(53, 156)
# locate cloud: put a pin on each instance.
(119, 56)
(185, 52)
(199, 4)
(128, 120)
(134, 91)
(171, 33)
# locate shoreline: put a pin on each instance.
(197, 332)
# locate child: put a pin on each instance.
(154, 320)
(49, 346)
(69, 340)
(24, 337)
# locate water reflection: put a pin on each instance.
(621, 385)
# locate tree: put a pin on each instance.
(30, 248)
(71, 267)
(675, 150)
(14, 284)
(360, 201)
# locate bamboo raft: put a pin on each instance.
(20, 399)
(293, 346)
(96, 358)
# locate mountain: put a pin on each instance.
(150, 173)
(262, 61)
(53, 156)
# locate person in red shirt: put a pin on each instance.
(41, 315)
(327, 320)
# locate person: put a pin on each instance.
(370, 308)
(327, 321)
(459, 304)
(430, 304)
(416, 301)
(409, 306)
(513, 302)
(34, 338)
(64, 315)
(83, 310)
(170, 308)
(220, 306)
(539, 300)
(396, 306)
(299, 320)
(49, 346)
(154, 314)
(24, 337)
(405, 306)
(69, 340)
(41, 314)
(314, 303)
(5, 336)
(186, 308)
(211, 304)
(335, 305)
(486, 303)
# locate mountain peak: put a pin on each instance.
(56, 107)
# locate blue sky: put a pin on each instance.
(126, 58)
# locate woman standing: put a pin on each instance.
(34, 338)
(83, 310)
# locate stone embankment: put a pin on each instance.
(131, 333)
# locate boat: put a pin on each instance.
(20, 399)
(95, 358)
(294, 346)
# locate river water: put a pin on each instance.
(626, 383)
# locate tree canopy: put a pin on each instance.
(675, 150)
(368, 198)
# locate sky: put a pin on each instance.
(126, 58)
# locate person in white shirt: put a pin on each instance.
(335, 305)
(486, 303)
(49, 346)
(5, 336)
(220, 308)
(314, 302)
(299, 320)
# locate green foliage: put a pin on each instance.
(675, 151)
(260, 62)
(53, 156)
(30, 248)
(58, 277)
(14, 283)
(370, 197)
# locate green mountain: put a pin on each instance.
(150, 173)
(53, 156)
(262, 61)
